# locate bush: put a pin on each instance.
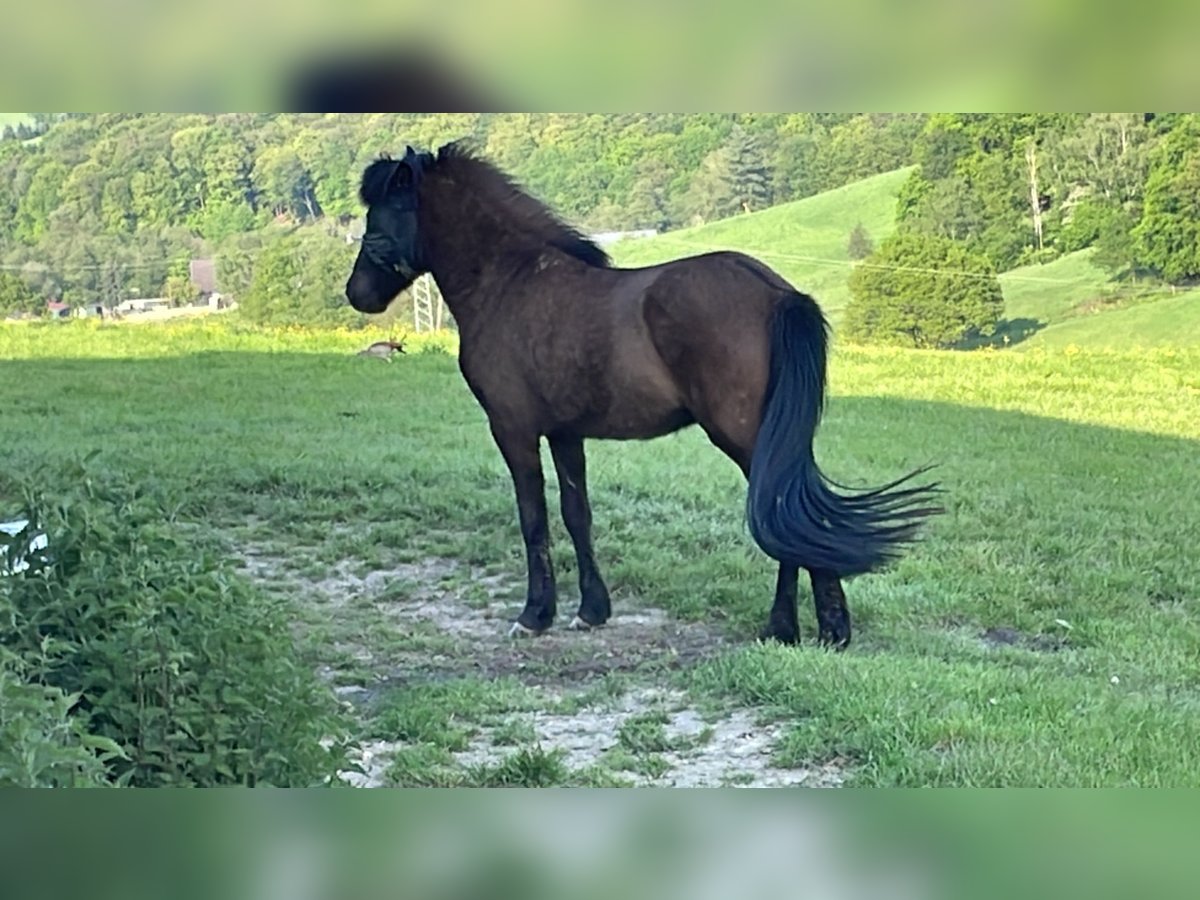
(860, 245)
(41, 743)
(134, 653)
(921, 290)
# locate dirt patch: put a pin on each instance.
(733, 748)
(437, 620)
(456, 622)
(701, 751)
(1011, 637)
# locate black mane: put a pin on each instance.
(533, 217)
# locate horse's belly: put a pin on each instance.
(636, 423)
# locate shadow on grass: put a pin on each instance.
(1008, 332)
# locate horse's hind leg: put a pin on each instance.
(569, 461)
(782, 625)
(833, 618)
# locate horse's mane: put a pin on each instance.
(533, 218)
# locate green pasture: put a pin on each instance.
(1046, 632)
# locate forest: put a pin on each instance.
(100, 207)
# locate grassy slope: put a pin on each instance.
(1056, 296)
(1047, 293)
(1071, 500)
(817, 228)
(1163, 321)
(1044, 298)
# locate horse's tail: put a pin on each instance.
(794, 513)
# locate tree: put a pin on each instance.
(283, 183)
(711, 194)
(1168, 235)
(16, 297)
(180, 290)
(648, 202)
(1105, 156)
(116, 206)
(946, 208)
(747, 170)
(1116, 248)
(860, 245)
(300, 279)
(40, 200)
(923, 291)
(271, 295)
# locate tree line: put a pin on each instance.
(94, 206)
(99, 207)
(1026, 188)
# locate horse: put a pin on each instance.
(557, 343)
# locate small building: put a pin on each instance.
(143, 304)
(605, 238)
(93, 310)
(56, 309)
(203, 274)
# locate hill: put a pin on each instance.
(1067, 301)
(1166, 322)
(1073, 301)
(805, 240)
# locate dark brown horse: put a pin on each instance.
(556, 343)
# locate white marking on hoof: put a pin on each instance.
(577, 624)
(520, 631)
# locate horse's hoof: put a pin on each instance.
(578, 624)
(834, 642)
(770, 636)
(521, 631)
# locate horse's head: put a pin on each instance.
(390, 258)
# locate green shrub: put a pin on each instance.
(174, 670)
(41, 743)
(922, 290)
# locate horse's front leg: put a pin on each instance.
(521, 453)
(594, 604)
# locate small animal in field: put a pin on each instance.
(384, 350)
(558, 344)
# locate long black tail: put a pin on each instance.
(793, 511)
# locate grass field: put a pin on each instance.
(805, 241)
(1045, 633)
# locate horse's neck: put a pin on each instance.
(468, 267)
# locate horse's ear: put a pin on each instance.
(384, 177)
(401, 177)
